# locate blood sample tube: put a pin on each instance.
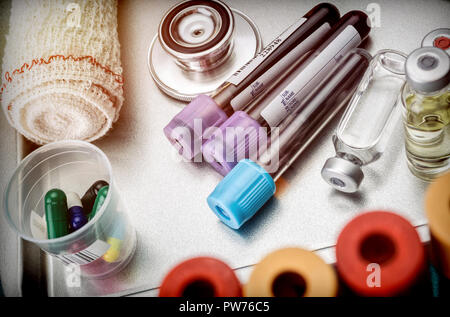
(201, 277)
(251, 183)
(221, 149)
(182, 130)
(379, 253)
(292, 272)
(348, 33)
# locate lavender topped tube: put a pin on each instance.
(186, 131)
(239, 137)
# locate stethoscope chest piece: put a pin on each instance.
(199, 45)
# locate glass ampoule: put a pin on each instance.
(368, 122)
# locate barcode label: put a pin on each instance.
(264, 81)
(248, 68)
(289, 99)
(86, 256)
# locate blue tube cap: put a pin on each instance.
(241, 193)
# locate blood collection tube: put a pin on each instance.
(201, 277)
(348, 33)
(250, 184)
(221, 150)
(379, 253)
(292, 272)
(213, 111)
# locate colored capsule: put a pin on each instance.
(77, 218)
(115, 241)
(89, 197)
(101, 197)
(56, 213)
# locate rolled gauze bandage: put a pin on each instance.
(62, 77)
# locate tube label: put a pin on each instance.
(86, 256)
(264, 81)
(248, 68)
(289, 99)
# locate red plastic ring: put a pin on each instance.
(383, 238)
(201, 277)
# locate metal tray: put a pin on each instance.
(167, 197)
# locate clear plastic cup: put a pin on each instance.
(101, 247)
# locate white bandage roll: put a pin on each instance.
(62, 77)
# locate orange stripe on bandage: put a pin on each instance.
(9, 77)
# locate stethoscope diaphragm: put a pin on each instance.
(199, 45)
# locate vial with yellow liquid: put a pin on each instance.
(426, 112)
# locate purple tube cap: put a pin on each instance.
(240, 137)
(186, 130)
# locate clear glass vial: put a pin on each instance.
(366, 126)
(426, 112)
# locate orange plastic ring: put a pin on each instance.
(292, 272)
(437, 206)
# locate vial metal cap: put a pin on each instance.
(343, 175)
(428, 69)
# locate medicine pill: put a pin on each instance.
(101, 197)
(115, 240)
(77, 218)
(56, 213)
(89, 197)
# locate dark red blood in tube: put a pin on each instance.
(386, 239)
(201, 277)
